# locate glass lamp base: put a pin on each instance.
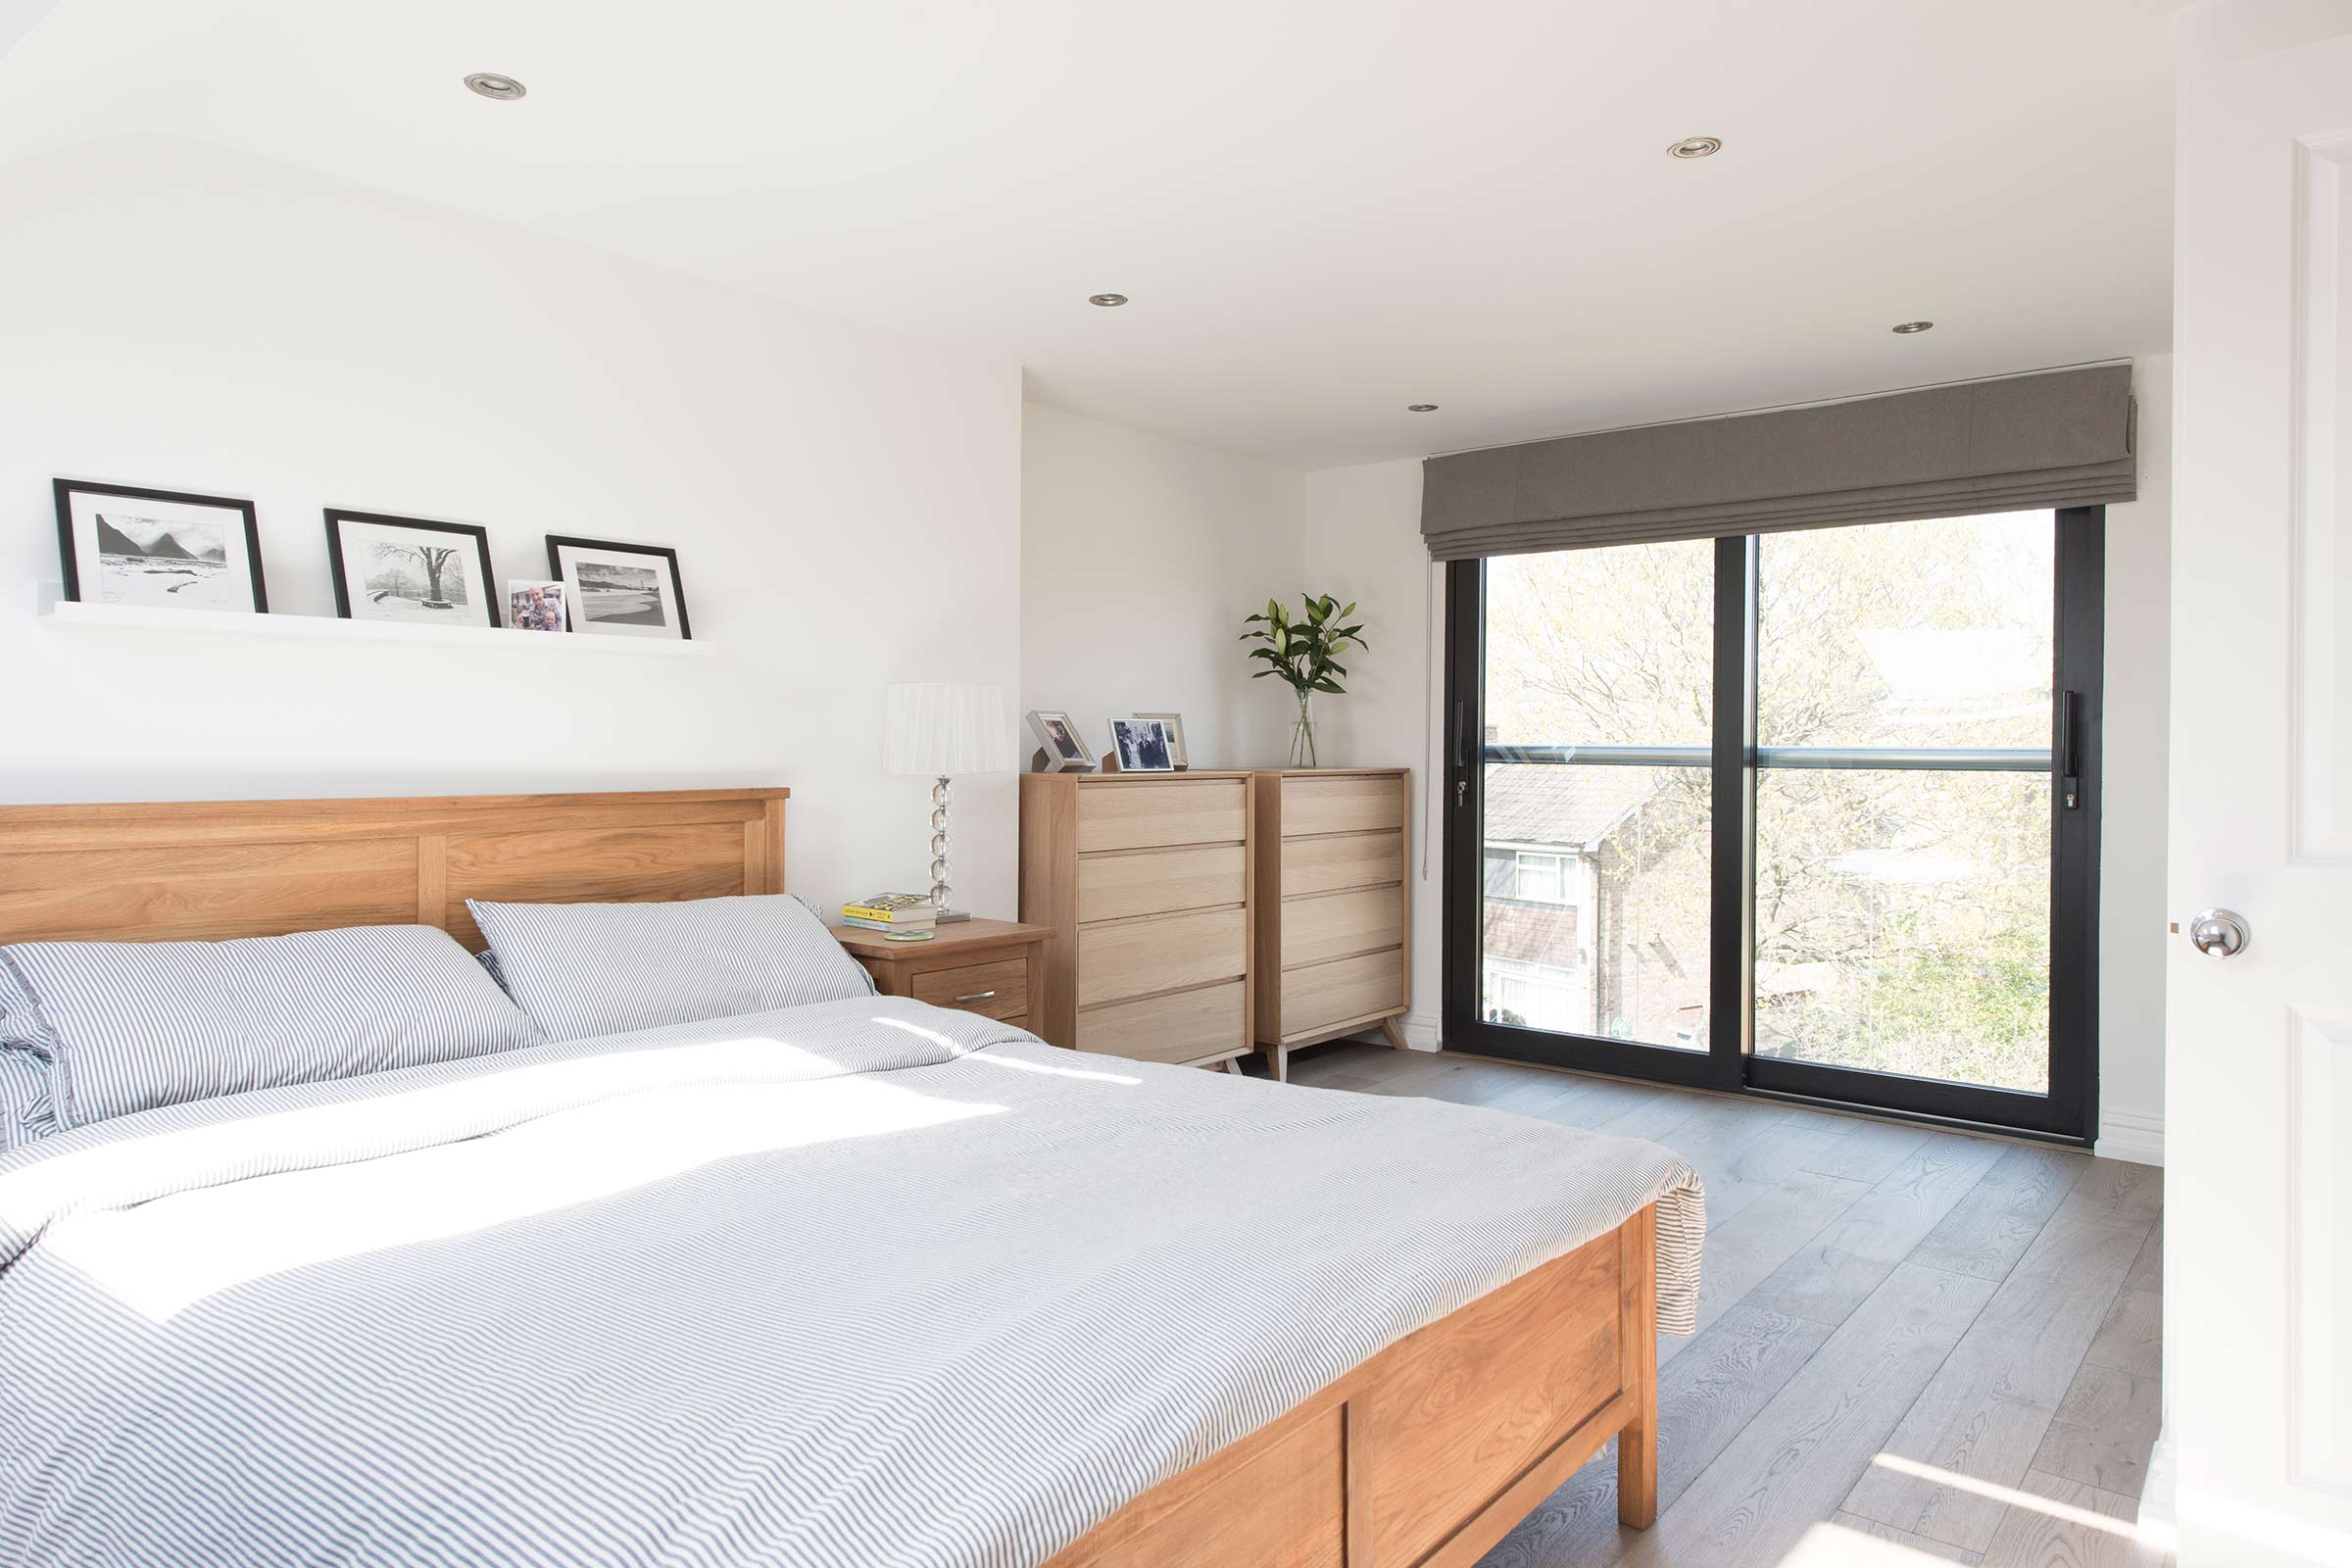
(950, 916)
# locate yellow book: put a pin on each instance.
(892, 908)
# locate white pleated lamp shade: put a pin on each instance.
(935, 728)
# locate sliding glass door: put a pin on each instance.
(1812, 814)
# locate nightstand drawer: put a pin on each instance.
(992, 990)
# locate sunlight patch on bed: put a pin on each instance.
(160, 1257)
(1016, 1064)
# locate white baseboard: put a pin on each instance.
(1421, 1031)
(2135, 1136)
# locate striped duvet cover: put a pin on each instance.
(861, 1283)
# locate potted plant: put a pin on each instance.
(1302, 649)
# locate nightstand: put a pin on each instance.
(991, 967)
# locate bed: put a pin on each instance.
(861, 1282)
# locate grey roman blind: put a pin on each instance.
(2059, 438)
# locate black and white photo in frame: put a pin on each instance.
(618, 589)
(1173, 724)
(1142, 744)
(411, 570)
(163, 547)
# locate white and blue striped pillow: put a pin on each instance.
(143, 1024)
(25, 1047)
(586, 969)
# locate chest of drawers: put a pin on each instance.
(1144, 881)
(1334, 905)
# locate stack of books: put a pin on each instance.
(899, 914)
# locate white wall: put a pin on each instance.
(2131, 859)
(1363, 538)
(1140, 556)
(185, 318)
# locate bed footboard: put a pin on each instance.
(1429, 1453)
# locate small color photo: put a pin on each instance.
(533, 606)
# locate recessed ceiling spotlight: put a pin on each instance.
(1420, 408)
(1906, 328)
(490, 84)
(1107, 299)
(1696, 147)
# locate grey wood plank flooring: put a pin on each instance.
(1914, 1345)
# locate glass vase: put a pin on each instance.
(1302, 733)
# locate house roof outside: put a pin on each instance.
(1563, 803)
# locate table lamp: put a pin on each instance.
(936, 729)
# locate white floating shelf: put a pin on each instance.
(56, 610)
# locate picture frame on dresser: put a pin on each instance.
(1060, 746)
(415, 570)
(619, 589)
(164, 549)
(1143, 746)
(1173, 724)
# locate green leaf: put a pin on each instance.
(1329, 685)
(1349, 610)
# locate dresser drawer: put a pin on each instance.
(1113, 887)
(1184, 1027)
(992, 990)
(1325, 993)
(1341, 804)
(1335, 925)
(1166, 811)
(1350, 860)
(1136, 957)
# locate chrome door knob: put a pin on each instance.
(2218, 933)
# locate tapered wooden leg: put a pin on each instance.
(1637, 1373)
(1232, 1065)
(1394, 1030)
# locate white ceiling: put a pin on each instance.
(1324, 209)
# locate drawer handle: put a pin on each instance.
(977, 996)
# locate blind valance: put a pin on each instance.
(2057, 438)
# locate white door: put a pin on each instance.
(2258, 1222)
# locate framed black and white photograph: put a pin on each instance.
(1057, 737)
(411, 570)
(1173, 724)
(160, 548)
(1142, 744)
(620, 590)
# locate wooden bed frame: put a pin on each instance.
(1422, 1457)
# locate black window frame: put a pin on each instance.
(2068, 1113)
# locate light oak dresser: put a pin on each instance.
(1334, 905)
(1145, 882)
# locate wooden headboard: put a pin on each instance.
(214, 869)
